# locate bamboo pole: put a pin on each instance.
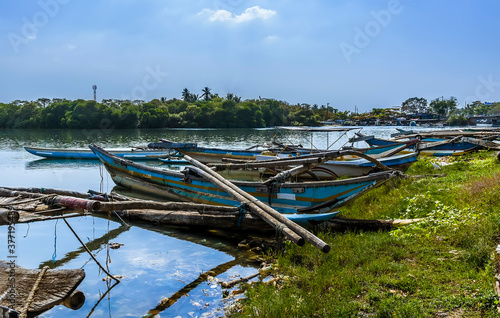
(66, 201)
(251, 203)
(284, 175)
(264, 163)
(312, 159)
(74, 301)
(269, 214)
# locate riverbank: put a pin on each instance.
(444, 266)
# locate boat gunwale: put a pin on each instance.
(306, 184)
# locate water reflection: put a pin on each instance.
(165, 303)
(164, 269)
(56, 164)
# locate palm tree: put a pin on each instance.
(186, 94)
(231, 96)
(193, 98)
(206, 94)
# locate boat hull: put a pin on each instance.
(215, 155)
(129, 153)
(334, 169)
(305, 197)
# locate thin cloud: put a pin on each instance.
(271, 39)
(249, 14)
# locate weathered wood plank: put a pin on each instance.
(54, 288)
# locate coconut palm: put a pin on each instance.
(186, 94)
(206, 94)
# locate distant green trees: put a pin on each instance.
(208, 110)
(443, 107)
(211, 111)
(478, 108)
(414, 105)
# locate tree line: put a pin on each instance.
(190, 112)
(209, 110)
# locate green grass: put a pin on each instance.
(443, 266)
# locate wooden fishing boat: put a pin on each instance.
(214, 155)
(217, 155)
(327, 170)
(285, 197)
(383, 151)
(332, 169)
(428, 145)
(139, 153)
(348, 162)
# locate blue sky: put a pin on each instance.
(369, 54)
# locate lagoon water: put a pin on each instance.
(155, 262)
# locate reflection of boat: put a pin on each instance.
(139, 153)
(289, 197)
(63, 164)
(59, 164)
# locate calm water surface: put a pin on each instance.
(155, 262)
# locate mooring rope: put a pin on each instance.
(54, 255)
(90, 253)
(243, 211)
(279, 231)
(123, 222)
(24, 311)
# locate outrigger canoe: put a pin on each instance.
(333, 169)
(137, 153)
(217, 155)
(285, 197)
(427, 146)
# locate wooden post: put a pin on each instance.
(74, 301)
(270, 213)
(174, 206)
(8, 216)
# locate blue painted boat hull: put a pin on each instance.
(301, 197)
(129, 153)
(215, 155)
(309, 220)
(451, 149)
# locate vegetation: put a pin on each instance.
(208, 110)
(443, 266)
